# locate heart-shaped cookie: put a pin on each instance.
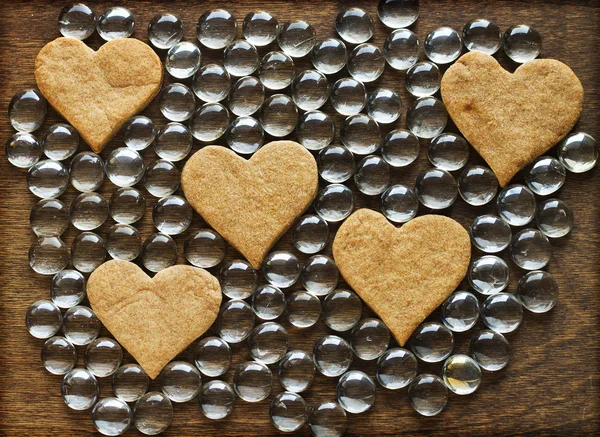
(98, 91)
(510, 119)
(154, 318)
(402, 274)
(251, 203)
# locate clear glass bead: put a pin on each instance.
(111, 416)
(354, 25)
(436, 189)
(360, 133)
(246, 97)
(329, 56)
(490, 349)
(268, 302)
(276, 70)
(545, 175)
(336, 163)
(482, 35)
(176, 102)
(578, 152)
(427, 117)
(159, 251)
(180, 381)
(130, 382)
(77, 20)
(48, 179)
(88, 252)
(530, 249)
(48, 255)
(327, 419)
(334, 203)
(432, 342)
(87, 172)
(401, 49)
(315, 130)
(320, 275)
(127, 205)
(516, 205)
(49, 218)
(281, 269)
(124, 167)
(67, 288)
(89, 211)
(522, 43)
(356, 391)
(462, 374)
(448, 152)
(477, 185)
(279, 115)
(165, 30)
(303, 309)
(43, 319)
(443, 45)
(342, 310)
(27, 110)
(252, 381)
(384, 105)
(423, 79)
(297, 38)
(204, 248)
(296, 371)
(554, 218)
(400, 148)
(399, 204)
(240, 58)
(460, 311)
(211, 83)
(398, 13)
(348, 96)
(260, 28)
(123, 242)
(332, 355)
(103, 356)
(114, 23)
(212, 356)
(161, 178)
(310, 234)
(23, 150)
(138, 132)
(216, 399)
(428, 394)
(490, 234)
(370, 339)
(209, 122)
(59, 355)
(172, 215)
(268, 343)
(372, 175)
(80, 389)
(183, 61)
(366, 63)
(537, 291)
(216, 29)
(396, 368)
(488, 274)
(81, 326)
(502, 312)
(236, 321)
(153, 413)
(60, 141)
(238, 279)
(310, 90)
(173, 143)
(245, 135)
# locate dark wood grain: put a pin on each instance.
(551, 385)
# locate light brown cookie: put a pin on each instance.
(251, 203)
(154, 318)
(510, 119)
(402, 274)
(98, 91)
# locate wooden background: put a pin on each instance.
(551, 385)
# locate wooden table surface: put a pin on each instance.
(551, 385)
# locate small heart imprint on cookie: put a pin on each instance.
(251, 203)
(511, 118)
(154, 318)
(402, 274)
(98, 91)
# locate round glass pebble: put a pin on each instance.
(281, 269)
(303, 309)
(48, 179)
(23, 150)
(165, 30)
(423, 79)
(546, 175)
(360, 133)
(348, 96)
(103, 356)
(209, 122)
(153, 413)
(111, 416)
(332, 355)
(252, 381)
(123, 242)
(490, 234)
(238, 279)
(516, 205)
(161, 178)
(401, 49)
(530, 249)
(288, 412)
(310, 90)
(329, 56)
(80, 389)
(60, 141)
(578, 152)
(537, 291)
(130, 382)
(315, 130)
(488, 274)
(462, 374)
(67, 288)
(448, 152)
(336, 163)
(522, 43)
(400, 148)
(216, 399)
(114, 23)
(127, 205)
(366, 63)
(354, 25)
(428, 394)
(399, 204)
(396, 368)
(554, 218)
(77, 21)
(87, 172)
(212, 356)
(27, 110)
(297, 38)
(173, 142)
(276, 70)
(398, 13)
(246, 97)
(180, 381)
(81, 326)
(443, 45)
(328, 419)
(176, 102)
(49, 218)
(59, 355)
(159, 251)
(43, 319)
(372, 175)
(334, 203)
(268, 343)
(310, 234)
(477, 185)
(236, 321)
(482, 35)
(240, 58)
(268, 302)
(172, 215)
(48, 255)
(460, 311)
(204, 248)
(279, 115)
(342, 310)
(356, 391)
(436, 189)
(89, 211)
(211, 83)
(384, 105)
(319, 275)
(427, 117)
(245, 135)
(124, 167)
(88, 252)
(216, 29)
(502, 312)
(260, 28)
(296, 371)
(370, 339)
(490, 349)
(432, 342)
(138, 132)
(183, 60)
